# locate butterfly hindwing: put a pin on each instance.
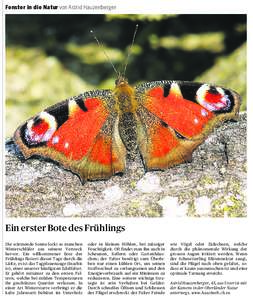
(175, 117)
(160, 145)
(81, 133)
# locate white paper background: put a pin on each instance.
(178, 229)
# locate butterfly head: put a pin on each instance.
(123, 89)
(121, 81)
(124, 95)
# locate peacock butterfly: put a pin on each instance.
(93, 133)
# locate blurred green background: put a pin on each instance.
(52, 57)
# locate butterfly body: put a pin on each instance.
(92, 134)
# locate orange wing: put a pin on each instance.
(174, 118)
(81, 133)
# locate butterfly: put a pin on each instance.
(94, 133)
(91, 134)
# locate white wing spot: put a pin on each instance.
(66, 145)
(204, 113)
(55, 139)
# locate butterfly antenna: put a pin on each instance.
(130, 50)
(101, 46)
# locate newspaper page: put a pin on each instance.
(124, 149)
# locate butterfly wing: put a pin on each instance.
(81, 133)
(173, 118)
